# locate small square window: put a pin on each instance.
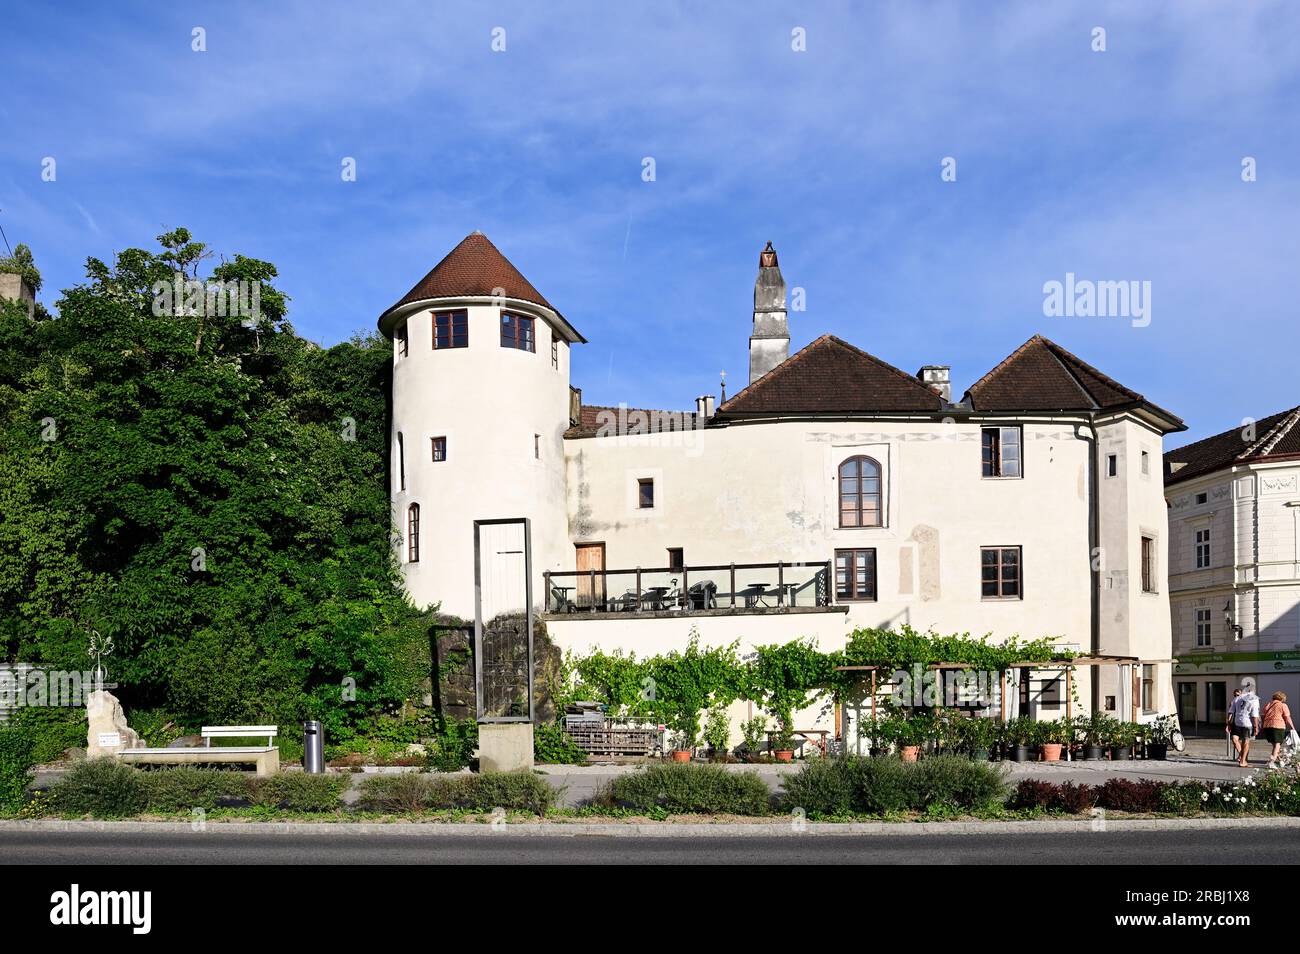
(1000, 573)
(645, 493)
(1202, 498)
(517, 332)
(676, 559)
(855, 575)
(451, 330)
(439, 449)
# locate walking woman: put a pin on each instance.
(1277, 722)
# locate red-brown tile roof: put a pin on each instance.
(473, 268)
(595, 420)
(1040, 375)
(1276, 437)
(830, 376)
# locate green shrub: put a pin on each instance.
(299, 791)
(512, 791)
(553, 746)
(853, 785)
(690, 788)
(16, 761)
(407, 792)
(52, 730)
(453, 745)
(104, 788)
(185, 788)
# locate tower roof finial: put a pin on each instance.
(767, 259)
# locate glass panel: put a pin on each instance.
(848, 518)
(849, 485)
(989, 557)
(988, 589)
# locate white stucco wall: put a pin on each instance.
(489, 402)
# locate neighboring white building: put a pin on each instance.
(1234, 561)
(847, 492)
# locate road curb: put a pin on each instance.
(699, 829)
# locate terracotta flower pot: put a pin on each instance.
(1051, 751)
(910, 752)
(681, 755)
(784, 755)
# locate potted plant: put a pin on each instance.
(1052, 736)
(783, 742)
(754, 731)
(1122, 737)
(683, 747)
(1097, 730)
(978, 737)
(717, 731)
(1018, 735)
(912, 734)
(1158, 734)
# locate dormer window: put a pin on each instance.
(517, 332)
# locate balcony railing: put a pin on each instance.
(737, 586)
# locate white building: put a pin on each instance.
(1234, 561)
(846, 492)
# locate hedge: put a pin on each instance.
(485, 792)
(687, 787)
(830, 788)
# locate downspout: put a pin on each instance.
(1094, 570)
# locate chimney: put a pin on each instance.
(769, 345)
(13, 285)
(704, 407)
(936, 376)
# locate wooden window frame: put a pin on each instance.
(1147, 560)
(641, 484)
(403, 337)
(860, 496)
(515, 338)
(457, 333)
(676, 559)
(1001, 580)
(436, 444)
(413, 533)
(1147, 688)
(854, 554)
(993, 457)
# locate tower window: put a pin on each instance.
(413, 533)
(439, 448)
(401, 462)
(1112, 465)
(451, 330)
(645, 493)
(1146, 464)
(517, 332)
(555, 354)
(860, 493)
(537, 446)
(402, 340)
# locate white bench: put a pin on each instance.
(265, 758)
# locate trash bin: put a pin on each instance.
(313, 748)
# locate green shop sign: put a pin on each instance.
(1204, 663)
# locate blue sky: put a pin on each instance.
(1121, 165)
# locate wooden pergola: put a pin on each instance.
(1068, 665)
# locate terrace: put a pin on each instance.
(703, 590)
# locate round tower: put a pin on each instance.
(480, 404)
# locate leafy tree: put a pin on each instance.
(208, 489)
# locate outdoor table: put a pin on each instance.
(806, 735)
(657, 594)
(786, 595)
(756, 597)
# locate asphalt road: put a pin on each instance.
(1187, 847)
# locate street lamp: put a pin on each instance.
(1227, 621)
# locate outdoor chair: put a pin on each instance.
(562, 603)
(702, 595)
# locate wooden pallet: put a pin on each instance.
(597, 739)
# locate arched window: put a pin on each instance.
(860, 493)
(413, 533)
